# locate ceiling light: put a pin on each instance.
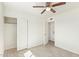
(48, 9)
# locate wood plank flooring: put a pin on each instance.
(41, 51)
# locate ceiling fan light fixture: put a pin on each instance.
(48, 9)
(49, 6)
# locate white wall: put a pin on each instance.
(10, 36)
(1, 30)
(67, 30)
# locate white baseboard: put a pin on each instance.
(76, 52)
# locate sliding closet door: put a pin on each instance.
(21, 33)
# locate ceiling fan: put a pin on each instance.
(49, 6)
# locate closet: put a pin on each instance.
(10, 33)
(15, 33)
(23, 33)
(29, 32)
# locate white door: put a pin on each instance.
(21, 33)
(51, 30)
(35, 32)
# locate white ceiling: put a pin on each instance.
(27, 7)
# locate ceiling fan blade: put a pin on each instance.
(58, 4)
(52, 10)
(48, 4)
(39, 6)
(43, 11)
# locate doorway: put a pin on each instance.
(51, 31)
(10, 33)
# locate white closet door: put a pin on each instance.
(21, 33)
(35, 32)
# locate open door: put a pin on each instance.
(21, 33)
(51, 30)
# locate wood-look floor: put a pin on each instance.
(41, 51)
